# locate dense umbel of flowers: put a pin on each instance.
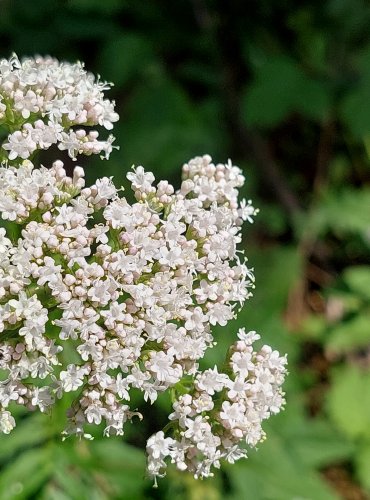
(99, 297)
(42, 100)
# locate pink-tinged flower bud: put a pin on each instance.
(69, 279)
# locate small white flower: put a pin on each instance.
(42, 398)
(158, 446)
(72, 378)
(163, 367)
(233, 414)
(141, 179)
(212, 381)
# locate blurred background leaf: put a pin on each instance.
(281, 88)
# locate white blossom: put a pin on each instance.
(60, 96)
(100, 296)
(72, 378)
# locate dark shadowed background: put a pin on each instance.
(283, 88)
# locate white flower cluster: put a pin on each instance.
(27, 192)
(42, 102)
(218, 411)
(99, 297)
(135, 294)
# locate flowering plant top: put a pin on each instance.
(132, 290)
(42, 100)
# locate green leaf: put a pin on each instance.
(313, 327)
(313, 442)
(273, 472)
(355, 107)
(23, 476)
(69, 474)
(115, 454)
(358, 279)
(280, 88)
(356, 111)
(123, 466)
(349, 335)
(348, 401)
(344, 211)
(29, 432)
(316, 442)
(52, 492)
(13, 230)
(362, 462)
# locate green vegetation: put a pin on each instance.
(283, 88)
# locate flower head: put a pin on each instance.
(100, 296)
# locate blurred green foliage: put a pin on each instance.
(283, 88)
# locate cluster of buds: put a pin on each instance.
(41, 101)
(99, 297)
